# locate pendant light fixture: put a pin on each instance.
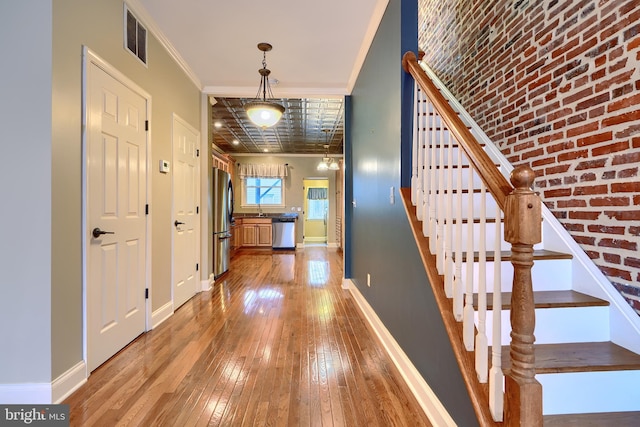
(327, 162)
(262, 112)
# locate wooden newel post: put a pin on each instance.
(522, 228)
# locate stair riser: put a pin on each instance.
(580, 392)
(559, 325)
(547, 275)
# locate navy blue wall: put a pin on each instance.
(380, 242)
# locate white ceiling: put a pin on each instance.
(318, 45)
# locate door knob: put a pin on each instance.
(177, 223)
(97, 232)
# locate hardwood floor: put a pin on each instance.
(277, 342)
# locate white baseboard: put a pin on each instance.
(427, 399)
(69, 382)
(206, 285)
(299, 245)
(34, 393)
(161, 314)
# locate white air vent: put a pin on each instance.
(135, 36)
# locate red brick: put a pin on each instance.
(572, 155)
(597, 228)
(621, 118)
(611, 148)
(595, 139)
(623, 215)
(625, 187)
(584, 215)
(556, 169)
(612, 258)
(562, 192)
(590, 127)
(577, 96)
(632, 262)
(621, 159)
(572, 203)
(624, 103)
(585, 240)
(593, 189)
(618, 243)
(627, 173)
(596, 100)
(616, 272)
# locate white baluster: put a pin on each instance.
(426, 182)
(482, 351)
(458, 288)
(420, 119)
(468, 325)
(414, 148)
(496, 377)
(433, 184)
(448, 233)
(440, 209)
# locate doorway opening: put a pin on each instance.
(316, 210)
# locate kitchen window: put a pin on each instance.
(262, 184)
(261, 192)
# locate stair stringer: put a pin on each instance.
(624, 322)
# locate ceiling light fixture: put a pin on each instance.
(327, 162)
(260, 111)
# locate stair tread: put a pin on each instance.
(538, 254)
(602, 419)
(579, 357)
(549, 299)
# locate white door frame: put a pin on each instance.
(197, 286)
(89, 58)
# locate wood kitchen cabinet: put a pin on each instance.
(256, 232)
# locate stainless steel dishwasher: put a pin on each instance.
(284, 232)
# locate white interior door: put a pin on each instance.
(116, 197)
(186, 141)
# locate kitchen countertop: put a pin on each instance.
(266, 215)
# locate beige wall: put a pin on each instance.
(98, 24)
(299, 169)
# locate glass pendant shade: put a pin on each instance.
(324, 164)
(334, 165)
(264, 113)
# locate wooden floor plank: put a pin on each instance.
(276, 342)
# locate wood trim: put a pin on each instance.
(497, 184)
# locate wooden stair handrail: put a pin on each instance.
(490, 175)
(522, 227)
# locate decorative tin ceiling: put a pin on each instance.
(300, 131)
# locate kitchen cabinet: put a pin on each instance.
(256, 232)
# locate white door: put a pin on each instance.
(186, 141)
(116, 197)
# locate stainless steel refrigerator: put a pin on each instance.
(222, 216)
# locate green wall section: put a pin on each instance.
(400, 292)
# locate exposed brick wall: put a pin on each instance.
(556, 85)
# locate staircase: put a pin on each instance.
(465, 217)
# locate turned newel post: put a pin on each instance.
(522, 228)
